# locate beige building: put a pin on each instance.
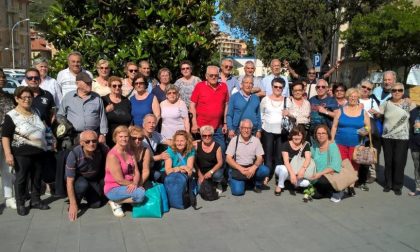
(11, 12)
(228, 46)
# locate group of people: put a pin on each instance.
(108, 137)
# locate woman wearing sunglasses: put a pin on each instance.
(117, 107)
(396, 113)
(130, 70)
(100, 84)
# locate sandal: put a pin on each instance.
(116, 209)
(277, 193)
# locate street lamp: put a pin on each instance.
(13, 44)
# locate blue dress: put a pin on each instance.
(347, 129)
(140, 108)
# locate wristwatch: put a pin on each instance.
(211, 172)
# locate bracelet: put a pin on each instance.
(211, 172)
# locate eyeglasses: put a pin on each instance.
(212, 75)
(137, 138)
(311, 73)
(171, 92)
(133, 70)
(321, 133)
(206, 136)
(117, 86)
(320, 87)
(364, 87)
(185, 68)
(91, 141)
(139, 83)
(104, 68)
(228, 67)
(277, 87)
(246, 128)
(400, 90)
(26, 98)
(33, 78)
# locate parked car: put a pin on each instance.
(11, 85)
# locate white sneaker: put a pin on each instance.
(336, 197)
(11, 203)
(219, 191)
(116, 209)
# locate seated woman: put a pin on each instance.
(141, 153)
(209, 159)
(122, 176)
(327, 160)
(290, 149)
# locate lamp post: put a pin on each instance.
(13, 43)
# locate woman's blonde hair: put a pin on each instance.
(351, 91)
(117, 131)
(189, 139)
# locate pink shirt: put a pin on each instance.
(127, 169)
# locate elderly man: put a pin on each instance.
(209, 105)
(322, 106)
(244, 105)
(244, 155)
(249, 70)
(144, 68)
(156, 144)
(275, 66)
(84, 109)
(227, 77)
(85, 170)
(383, 92)
(66, 78)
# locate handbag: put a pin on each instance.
(151, 207)
(297, 162)
(208, 191)
(287, 123)
(346, 177)
(365, 155)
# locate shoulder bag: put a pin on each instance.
(297, 162)
(343, 179)
(365, 155)
(287, 122)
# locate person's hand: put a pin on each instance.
(224, 129)
(73, 209)
(315, 176)
(293, 179)
(322, 110)
(251, 171)
(131, 188)
(286, 63)
(194, 128)
(285, 112)
(301, 173)
(9, 160)
(373, 112)
(417, 125)
(231, 134)
(200, 179)
(101, 139)
(258, 134)
(109, 108)
(208, 175)
(164, 155)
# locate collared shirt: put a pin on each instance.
(50, 84)
(78, 164)
(84, 114)
(246, 152)
(43, 104)
(266, 85)
(67, 80)
(232, 83)
(257, 81)
(240, 108)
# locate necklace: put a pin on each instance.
(23, 112)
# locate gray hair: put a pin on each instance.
(398, 84)
(227, 59)
(74, 53)
(38, 61)
(248, 77)
(250, 62)
(149, 115)
(246, 120)
(85, 132)
(394, 74)
(322, 80)
(210, 67)
(171, 87)
(206, 128)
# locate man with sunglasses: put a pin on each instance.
(322, 106)
(227, 77)
(85, 170)
(66, 78)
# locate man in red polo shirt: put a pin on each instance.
(209, 103)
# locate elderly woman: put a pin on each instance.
(100, 84)
(395, 137)
(174, 113)
(123, 182)
(165, 77)
(6, 104)
(272, 111)
(130, 70)
(350, 123)
(187, 82)
(141, 153)
(143, 102)
(117, 107)
(339, 91)
(24, 145)
(209, 159)
(300, 108)
(327, 160)
(371, 105)
(291, 148)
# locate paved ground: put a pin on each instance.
(370, 221)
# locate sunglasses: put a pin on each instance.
(277, 87)
(185, 68)
(91, 141)
(311, 73)
(206, 136)
(33, 78)
(137, 138)
(133, 70)
(228, 67)
(400, 90)
(212, 75)
(172, 92)
(320, 87)
(104, 68)
(139, 83)
(364, 87)
(115, 86)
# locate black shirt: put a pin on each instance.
(206, 161)
(121, 115)
(43, 105)
(287, 148)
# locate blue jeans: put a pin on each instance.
(237, 187)
(120, 193)
(220, 139)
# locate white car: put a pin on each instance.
(11, 85)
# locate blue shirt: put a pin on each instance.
(236, 108)
(317, 118)
(232, 82)
(140, 108)
(266, 85)
(347, 129)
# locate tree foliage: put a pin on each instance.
(161, 31)
(389, 36)
(292, 30)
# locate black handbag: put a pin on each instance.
(208, 191)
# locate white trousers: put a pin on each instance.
(283, 174)
(7, 178)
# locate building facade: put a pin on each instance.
(11, 12)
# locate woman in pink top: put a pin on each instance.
(122, 176)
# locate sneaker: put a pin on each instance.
(336, 197)
(364, 187)
(11, 203)
(116, 209)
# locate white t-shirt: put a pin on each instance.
(369, 104)
(67, 80)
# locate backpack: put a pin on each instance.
(208, 191)
(181, 190)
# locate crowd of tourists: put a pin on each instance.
(109, 139)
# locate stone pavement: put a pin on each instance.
(370, 221)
